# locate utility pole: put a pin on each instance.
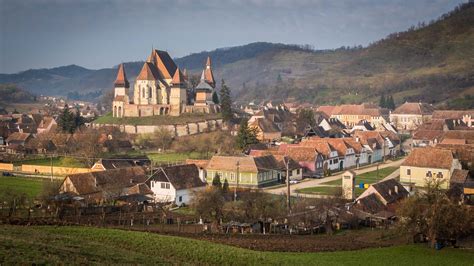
(237, 178)
(51, 163)
(288, 206)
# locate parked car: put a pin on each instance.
(7, 174)
(317, 176)
(294, 181)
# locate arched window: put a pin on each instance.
(149, 92)
(115, 111)
(119, 111)
(143, 92)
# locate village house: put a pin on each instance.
(466, 116)
(106, 186)
(381, 197)
(333, 128)
(327, 152)
(176, 183)
(245, 171)
(17, 141)
(373, 143)
(266, 130)
(115, 163)
(425, 164)
(295, 169)
(351, 114)
(409, 116)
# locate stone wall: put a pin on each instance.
(43, 169)
(6, 166)
(179, 130)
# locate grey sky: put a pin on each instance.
(102, 33)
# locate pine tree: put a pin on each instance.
(66, 120)
(225, 186)
(226, 103)
(391, 103)
(383, 102)
(78, 120)
(246, 136)
(216, 181)
(215, 97)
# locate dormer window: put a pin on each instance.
(439, 175)
(429, 174)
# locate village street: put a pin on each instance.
(317, 182)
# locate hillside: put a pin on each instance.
(89, 245)
(11, 93)
(431, 62)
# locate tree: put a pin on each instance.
(246, 136)
(78, 119)
(390, 103)
(225, 186)
(305, 118)
(383, 102)
(66, 120)
(216, 181)
(209, 203)
(226, 103)
(215, 97)
(163, 138)
(436, 216)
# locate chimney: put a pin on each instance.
(396, 189)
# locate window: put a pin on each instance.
(439, 175)
(429, 174)
(232, 176)
(408, 171)
(336, 160)
(180, 199)
(165, 185)
(297, 171)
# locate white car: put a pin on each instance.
(294, 181)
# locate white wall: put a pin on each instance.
(163, 194)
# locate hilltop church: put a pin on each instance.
(162, 89)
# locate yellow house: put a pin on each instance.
(425, 164)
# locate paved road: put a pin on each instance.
(316, 182)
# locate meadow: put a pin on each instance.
(31, 187)
(87, 245)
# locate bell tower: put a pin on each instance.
(178, 94)
(121, 87)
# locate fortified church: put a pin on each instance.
(162, 89)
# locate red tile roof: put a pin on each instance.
(430, 157)
(414, 109)
(121, 80)
(148, 72)
(178, 77)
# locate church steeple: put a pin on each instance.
(178, 78)
(208, 75)
(121, 80)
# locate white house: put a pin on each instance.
(176, 183)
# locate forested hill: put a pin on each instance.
(431, 62)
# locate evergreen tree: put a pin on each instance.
(216, 181)
(66, 121)
(383, 102)
(226, 103)
(225, 186)
(78, 120)
(246, 135)
(215, 97)
(391, 103)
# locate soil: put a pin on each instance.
(346, 240)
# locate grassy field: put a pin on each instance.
(173, 157)
(333, 187)
(155, 120)
(82, 245)
(21, 185)
(57, 161)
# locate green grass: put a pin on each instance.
(185, 211)
(57, 161)
(32, 187)
(173, 157)
(156, 120)
(334, 186)
(82, 245)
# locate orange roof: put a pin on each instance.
(178, 77)
(121, 80)
(430, 157)
(163, 61)
(148, 72)
(208, 76)
(414, 109)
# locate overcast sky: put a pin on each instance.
(102, 33)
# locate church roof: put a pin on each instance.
(163, 61)
(208, 76)
(178, 77)
(148, 72)
(121, 80)
(203, 85)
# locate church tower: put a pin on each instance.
(203, 91)
(121, 86)
(147, 86)
(178, 95)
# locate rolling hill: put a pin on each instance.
(432, 62)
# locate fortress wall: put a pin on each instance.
(203, 127)
(182, 130)
(193, 128)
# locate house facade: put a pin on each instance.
(176, 184)
(409, 116)
(245, 171)
(425, 164)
